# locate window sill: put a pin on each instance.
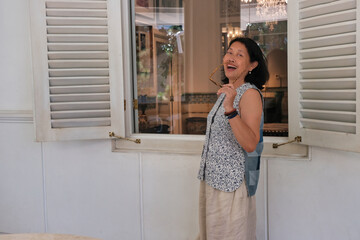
(193, 144)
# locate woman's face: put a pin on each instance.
(237, 62)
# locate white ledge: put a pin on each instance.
(193, 144)
(176, 144)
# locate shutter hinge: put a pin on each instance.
(124, 105)
(112, 135)
(135, 104)
(296, 139)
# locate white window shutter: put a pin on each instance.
(77, 64)
(324, 79)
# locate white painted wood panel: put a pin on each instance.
(315, 199)
(91, 191)
(21, 180)
(170, 196)
(15, 56)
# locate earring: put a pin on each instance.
(249, 72)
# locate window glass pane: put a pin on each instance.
(179, 44)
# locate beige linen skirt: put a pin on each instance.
(226, 215)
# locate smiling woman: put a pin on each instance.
(177, 46)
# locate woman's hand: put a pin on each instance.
(230, 94)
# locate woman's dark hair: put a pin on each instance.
(260, 74)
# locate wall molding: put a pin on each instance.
(16, 116)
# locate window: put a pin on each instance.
(177, 46)
(81, 57)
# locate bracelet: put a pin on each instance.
(229, 113)
(232, 115)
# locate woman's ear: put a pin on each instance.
(253, 65)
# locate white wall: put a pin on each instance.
(84, 188)
(15, 56)
(317, 199)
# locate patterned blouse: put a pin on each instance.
(222, 163)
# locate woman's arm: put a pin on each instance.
(247, 127)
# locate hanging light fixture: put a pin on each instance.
(271, 10)
(232, 32)
(229, 29)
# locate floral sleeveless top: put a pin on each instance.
(222, 163)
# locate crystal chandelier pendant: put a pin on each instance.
(271, 10)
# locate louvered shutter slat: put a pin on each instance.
(319, 73)
(76, 13)
(78, 47)
(339, 116)
(79, 72)
(78, 55)
(81, 123)
(80, 114)
(78, 64)
(77, 30)
(337, 83)
(70, 81)
(338, 50)
(329, 94)
(325, 7)
(305, 4)
(80, 97)
(328, 105)
(77, 4)
(80, 89)
(345, 38)
(329, 62)
(58, 21)
(80, 106)
(328, 125)
(336, 17)
(77, 38)
(331, 29)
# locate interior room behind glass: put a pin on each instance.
(178, 44)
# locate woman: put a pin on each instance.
(229, 169)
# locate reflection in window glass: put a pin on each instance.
(179, 44)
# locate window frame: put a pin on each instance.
(174, 143)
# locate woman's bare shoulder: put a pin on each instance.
(252, 95)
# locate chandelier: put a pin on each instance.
(271, 10)
(233, 32)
